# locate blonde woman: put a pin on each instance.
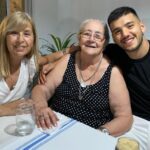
(19, 60)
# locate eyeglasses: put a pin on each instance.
(97, 36)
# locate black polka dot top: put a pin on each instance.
(93, 109)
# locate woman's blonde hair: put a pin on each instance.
(15, 22)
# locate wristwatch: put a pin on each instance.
(104, 130)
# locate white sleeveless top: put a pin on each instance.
(21, 89)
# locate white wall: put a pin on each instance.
(60, 17)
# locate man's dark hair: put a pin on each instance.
(118, 12)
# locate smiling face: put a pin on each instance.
(18, 40)
(20, 43)
(91, 37)
(127, 32)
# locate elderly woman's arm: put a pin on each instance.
(43, 92)
(119, 105)
(48, 62)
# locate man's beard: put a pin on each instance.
(135, 48)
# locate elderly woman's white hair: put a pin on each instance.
(106, 31)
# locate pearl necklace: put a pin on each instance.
(82, 81)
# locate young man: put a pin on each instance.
(132, 54)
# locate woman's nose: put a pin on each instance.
(92, 37)
(20, 37)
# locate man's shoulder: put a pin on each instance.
(113, 50)
(112, 47)
(115, 53)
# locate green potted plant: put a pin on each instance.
(56, 43)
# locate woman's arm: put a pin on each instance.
(48, 62)
(119, 104)
(50, 58)
(45, 70)
(43, 92)
(9, 109)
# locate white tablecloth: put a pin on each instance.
(69, 135)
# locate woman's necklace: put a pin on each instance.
(82, 81)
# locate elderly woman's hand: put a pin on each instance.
(46, 118)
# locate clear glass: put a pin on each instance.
(25, 118)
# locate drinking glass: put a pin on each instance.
(25, 118)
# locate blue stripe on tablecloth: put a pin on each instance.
(45, 137)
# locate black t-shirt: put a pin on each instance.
(137, 77)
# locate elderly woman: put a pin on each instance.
(86, 86)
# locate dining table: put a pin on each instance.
(69, 134)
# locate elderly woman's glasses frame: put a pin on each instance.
(97, 36)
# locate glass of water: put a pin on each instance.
(25, 118)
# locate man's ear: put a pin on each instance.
(143, 28)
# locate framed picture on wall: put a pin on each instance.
(15, 5)
(9, 6)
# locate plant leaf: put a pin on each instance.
(67, 40)
(57, 43)
(54, 38)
